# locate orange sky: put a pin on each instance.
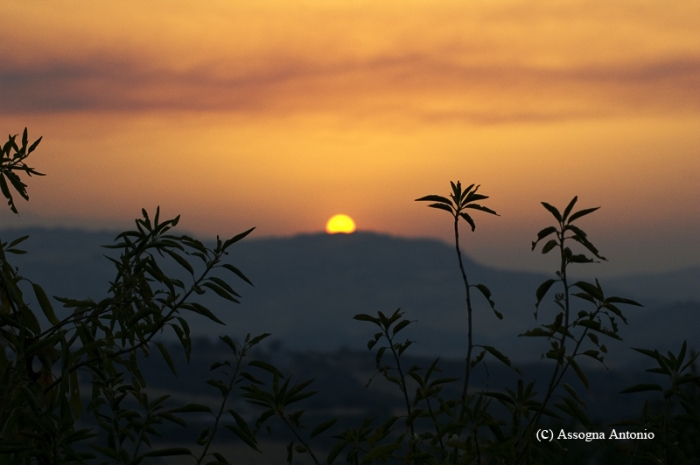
(279, 114)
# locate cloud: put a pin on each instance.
(423, 86)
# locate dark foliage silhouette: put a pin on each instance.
(48, 359)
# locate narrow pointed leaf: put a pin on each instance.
(45, 304)
(643, 387)
(581, 213)
(481, 208)
(435, 198)
(323, 427)
(441, 206)
(469, 220)
(543, 288)
(568, 208)
(552, 210)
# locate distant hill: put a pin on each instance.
(308, 287)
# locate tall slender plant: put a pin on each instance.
(458, 203)
(569, 335)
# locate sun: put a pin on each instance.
(340, 224)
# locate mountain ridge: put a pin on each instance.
(309, 286)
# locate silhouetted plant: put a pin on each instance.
(459, 201)
(41, 405)
(40, 400)
(676, 415)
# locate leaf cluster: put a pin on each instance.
(12, 160)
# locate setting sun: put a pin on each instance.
(340, 224)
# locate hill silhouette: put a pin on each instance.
(308, 288)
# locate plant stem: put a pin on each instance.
(556, 376)
(404, 390)
(239, 359)
(470, 343)
(299, 438)
(470, 340)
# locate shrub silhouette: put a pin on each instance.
(41, 404)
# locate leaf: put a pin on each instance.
(168, 452)
(544, 233)
(570, 407)
(593, 291)
(265, 366)
(203, 437)
(590, 324)
(74, 400)
(622, 300)
(180, 260)
(502, 398)
(383, 451)
(108, 451)
(434, 198)
(365, 317)
(549, 246)
(191, 408)
(581, 213)
(220, 292)
(45, 304)
(579, 258)
(487, 293)
(224, 285)
(493, 351)
(290, 452)
(18, 241)
(481, 208)
(256, 340)
(240, 421)
(473, 197)
(574, 395)
(220, 385)
(441, 206)
(401, 326)
(237, 272)
(237, 238)
(202, 310)
(536, 332)
(249, 440)
(457, 190)
(469, 220)
(553, 211)
(166, 356)
(33, 146)
(542, 290)
(568, 208)
(336, 450)
(6, 192)
(323, 427)
(643, 387)
(578, 371)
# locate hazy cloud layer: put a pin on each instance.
(425, 87)
(478, 62)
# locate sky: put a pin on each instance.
(280, 114)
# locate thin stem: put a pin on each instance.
(470, 340)
(403, 389)
(470, 343)
(437, 428)
(299, 438)
(556, 376)
(239, 359)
